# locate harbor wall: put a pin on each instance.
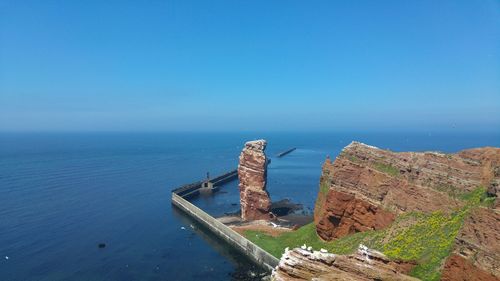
(247, 247)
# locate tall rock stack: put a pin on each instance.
(252, 172)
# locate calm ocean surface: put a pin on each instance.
(62, 194)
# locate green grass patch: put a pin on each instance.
(323, 188)
(386, 168)
(306, 234)
(475, 196)
(429, 241)
(353, 159)
(350, 157)
(425, 238)
(489, 202)
(320, 201)
(478, 195)
(450, 190)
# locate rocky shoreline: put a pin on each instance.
(429, 215)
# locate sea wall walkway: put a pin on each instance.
(286, 152)
(193, 189)
(233, 238)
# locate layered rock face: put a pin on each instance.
(348, 214)
(367, 187)
(458, 268)
(489, 159)
(477, 248)
(365, 264)
(252, 173)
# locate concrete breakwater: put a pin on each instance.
(286, 152)
(245, 246)
(193, 189)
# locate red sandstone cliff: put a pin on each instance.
(489, 160)
(366, 188)
(252, 173)
(476, 253)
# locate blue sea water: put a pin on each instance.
(63, 193)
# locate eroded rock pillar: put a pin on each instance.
(252, 173)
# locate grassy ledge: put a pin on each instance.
(386, 168)
(306, 234)
(425, 238)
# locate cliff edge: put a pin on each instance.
(368, 189)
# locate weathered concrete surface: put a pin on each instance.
(301, 264)
(227, 234)
(193, 189)
(252, 172)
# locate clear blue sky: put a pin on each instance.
(249, 65)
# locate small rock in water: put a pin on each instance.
(101, 245)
